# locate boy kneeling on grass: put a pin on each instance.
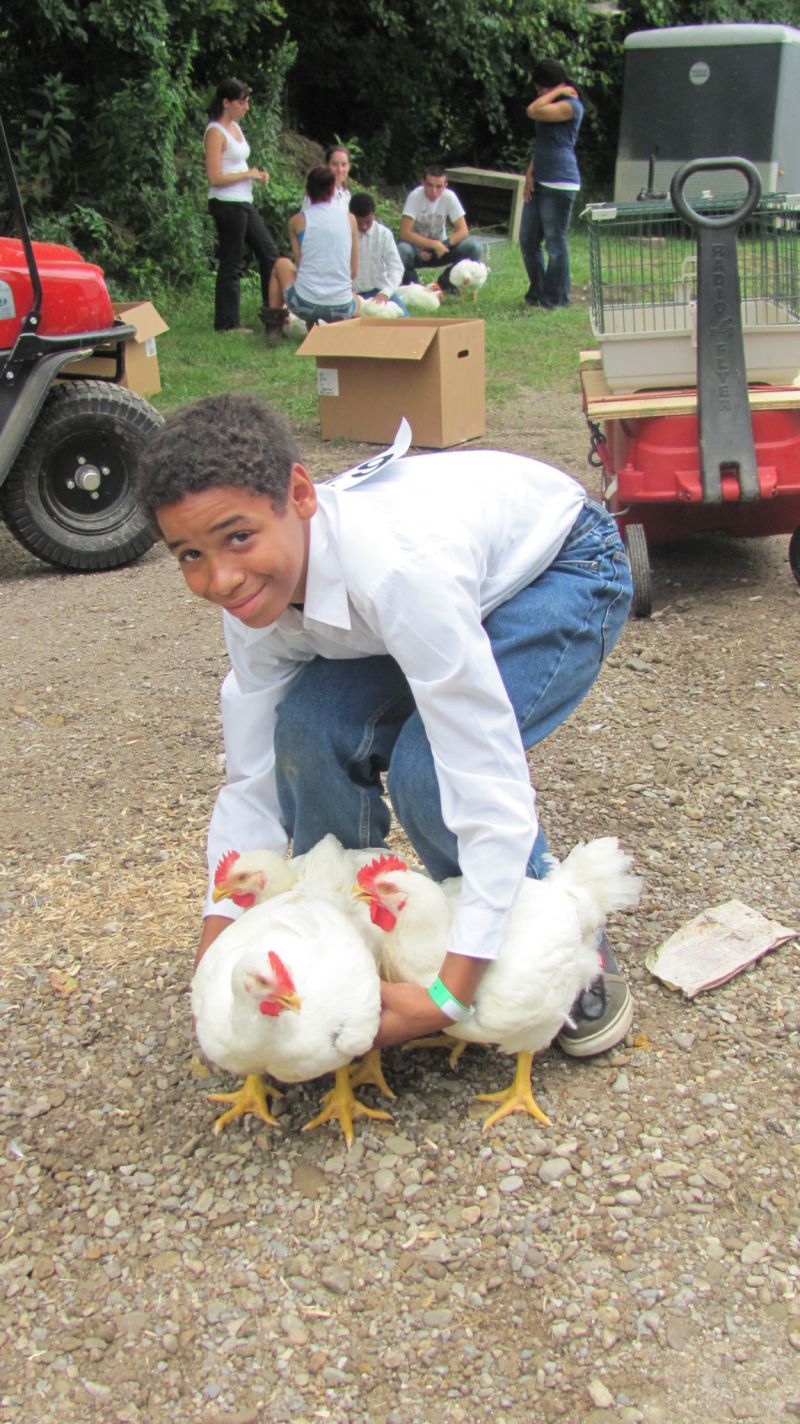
(427, 618)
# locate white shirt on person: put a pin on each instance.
(233, 159)
(341, 197)
(379, 263)
(409, 563)
(430, 218)
(326, 245)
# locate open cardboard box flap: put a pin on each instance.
(372, 337)
(144, 317)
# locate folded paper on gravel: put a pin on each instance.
(716, 945)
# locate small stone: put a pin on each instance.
(600, 1396)
(553, 1169)
(753, 1252)
(621, 1083)
(402, 1146)
(679, 1332)
(308, 1180)
(335, 1279)
(510, 1184)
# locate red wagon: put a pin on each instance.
(693, 399)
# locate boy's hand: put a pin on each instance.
(407, 1011)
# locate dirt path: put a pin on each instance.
(636, 1262)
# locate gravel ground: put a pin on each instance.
(638, 1261)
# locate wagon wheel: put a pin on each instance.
(636, 546)
(794, 553)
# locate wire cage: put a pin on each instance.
(643, 271)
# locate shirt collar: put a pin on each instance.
(326, 598)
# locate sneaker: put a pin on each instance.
(602, 1014)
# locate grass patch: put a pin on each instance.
(525, 346)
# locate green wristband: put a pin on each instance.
(448, 1003)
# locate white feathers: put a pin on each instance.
(295, 328)
(549, 954)
(330, 968)
(469, 276)
(420, 299)
(370, 306)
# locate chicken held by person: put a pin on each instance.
(289, 990)
(548, 957)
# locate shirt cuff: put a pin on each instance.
(477, 931)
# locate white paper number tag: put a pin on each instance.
(359, 473)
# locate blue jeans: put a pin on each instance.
(343, 723)
(317, 311)
(545, 219)
(471, 247)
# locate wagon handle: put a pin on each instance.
(725, 430)
(700, 165)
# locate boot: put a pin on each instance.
(274, 319)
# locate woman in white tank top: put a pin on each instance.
(230, 202)
(318, 284)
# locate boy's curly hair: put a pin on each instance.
(221, 440)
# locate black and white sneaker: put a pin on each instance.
(601, 1015)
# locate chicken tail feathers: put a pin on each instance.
(598, 875)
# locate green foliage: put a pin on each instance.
(105, 102)
(104, 105)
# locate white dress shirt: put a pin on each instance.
(379, 263)
(409, 562)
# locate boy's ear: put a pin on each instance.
(302, 492)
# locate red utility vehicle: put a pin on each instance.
(68, 443)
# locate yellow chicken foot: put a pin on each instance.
(370, 1070)
(518, 1098)
(341, 1103)
(455, 1046)
(250, 1098)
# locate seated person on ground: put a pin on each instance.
(424, 240)
(318, 284)
(380, 266)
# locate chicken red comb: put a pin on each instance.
(226, 861)
(283, 979)
(366, 875)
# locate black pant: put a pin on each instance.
(238, 225)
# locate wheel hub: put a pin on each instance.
(87, 477)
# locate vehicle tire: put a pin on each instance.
(794, 553)
(636, 547)
(70, 496)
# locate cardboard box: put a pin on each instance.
(141, 362)
(371, 373)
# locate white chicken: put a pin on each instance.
(250, 878)
(549, 956)
(421, 300)
(369, 306)
(290, 990)
(468, 276)
(253, 877)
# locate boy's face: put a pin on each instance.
(434, 186)
(364, 224)
(238, 553)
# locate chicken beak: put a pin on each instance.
(220, 892)
(359, 893)
(289, 1001)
